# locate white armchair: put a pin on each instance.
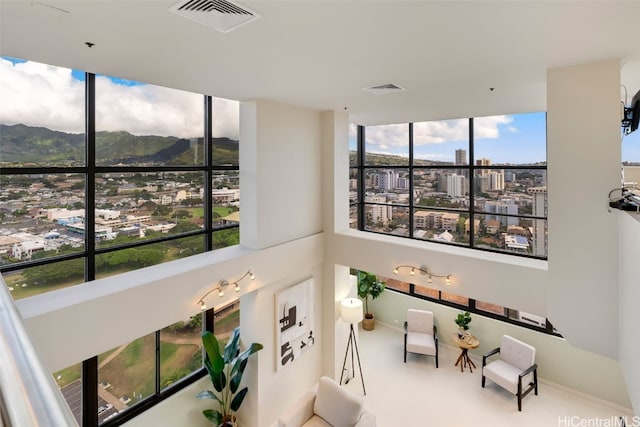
(515, 367)
(328, 404)
(420, 334)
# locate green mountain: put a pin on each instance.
(22, 145)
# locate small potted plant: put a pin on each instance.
(225, 371)
(368, 286)
(463, 320)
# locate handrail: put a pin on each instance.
(29, 395)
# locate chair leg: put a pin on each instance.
(436, 360)
(535, 381)
(519, 403)
(405, 348)
(483, 378)
(520, 394)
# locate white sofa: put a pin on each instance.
(328, 404)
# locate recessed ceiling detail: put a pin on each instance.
(384, 89)
(222, 15)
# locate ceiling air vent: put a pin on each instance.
(222, 15)
(384, 89)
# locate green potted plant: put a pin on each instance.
(225, 371)
(463, 320)
(368, 286)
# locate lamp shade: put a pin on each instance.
(351, 310)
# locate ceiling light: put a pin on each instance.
(222, 283)
(424, 270)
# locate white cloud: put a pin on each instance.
(435, 132)
(388, 136)
(41, 95)
(488, 127)
(438, 132)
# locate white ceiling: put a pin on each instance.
(320, 54)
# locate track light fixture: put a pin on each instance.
(223, 284)
(424, 270)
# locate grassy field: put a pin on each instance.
(132, 371)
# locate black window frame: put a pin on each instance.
(471, 308)
(89, 368)
(360, 167)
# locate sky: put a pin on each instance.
(37, 94)
(502, 139)
(515, 139)
(44, 95)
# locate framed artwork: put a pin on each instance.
(294, 322)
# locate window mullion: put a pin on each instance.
(90, 176)
(411, 211)
(361, 178)
(472, 211)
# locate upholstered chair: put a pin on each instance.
(515, 370)
(420, 334)
(328, 404)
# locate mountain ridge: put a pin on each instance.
(40, 146)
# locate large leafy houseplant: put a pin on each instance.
(225, 371)
(368, 286)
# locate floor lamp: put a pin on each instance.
(351, 312)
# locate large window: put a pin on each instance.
(139, 373)
(101, 175)
(478, 183)
(150, 173)
(486, 309)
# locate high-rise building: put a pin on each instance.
(455, 185)
(500, 208)
(388, 180)
(483, 162)
(380, 213)
(496, 180)
(480, 184)
(539, 208)
(461, 157)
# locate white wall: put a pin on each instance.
(519, 283)
(583, 151)
(280, 165)
(558, 361)
(335, 172)
(273, 391)
(629, 298)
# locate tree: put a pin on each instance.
(182, 214)
(149, 256)
(55, 273)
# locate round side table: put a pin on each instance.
(465, 343)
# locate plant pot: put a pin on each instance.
(233, 422)
(369, 322)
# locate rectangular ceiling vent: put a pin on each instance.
(384, 89)
(222, 15)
